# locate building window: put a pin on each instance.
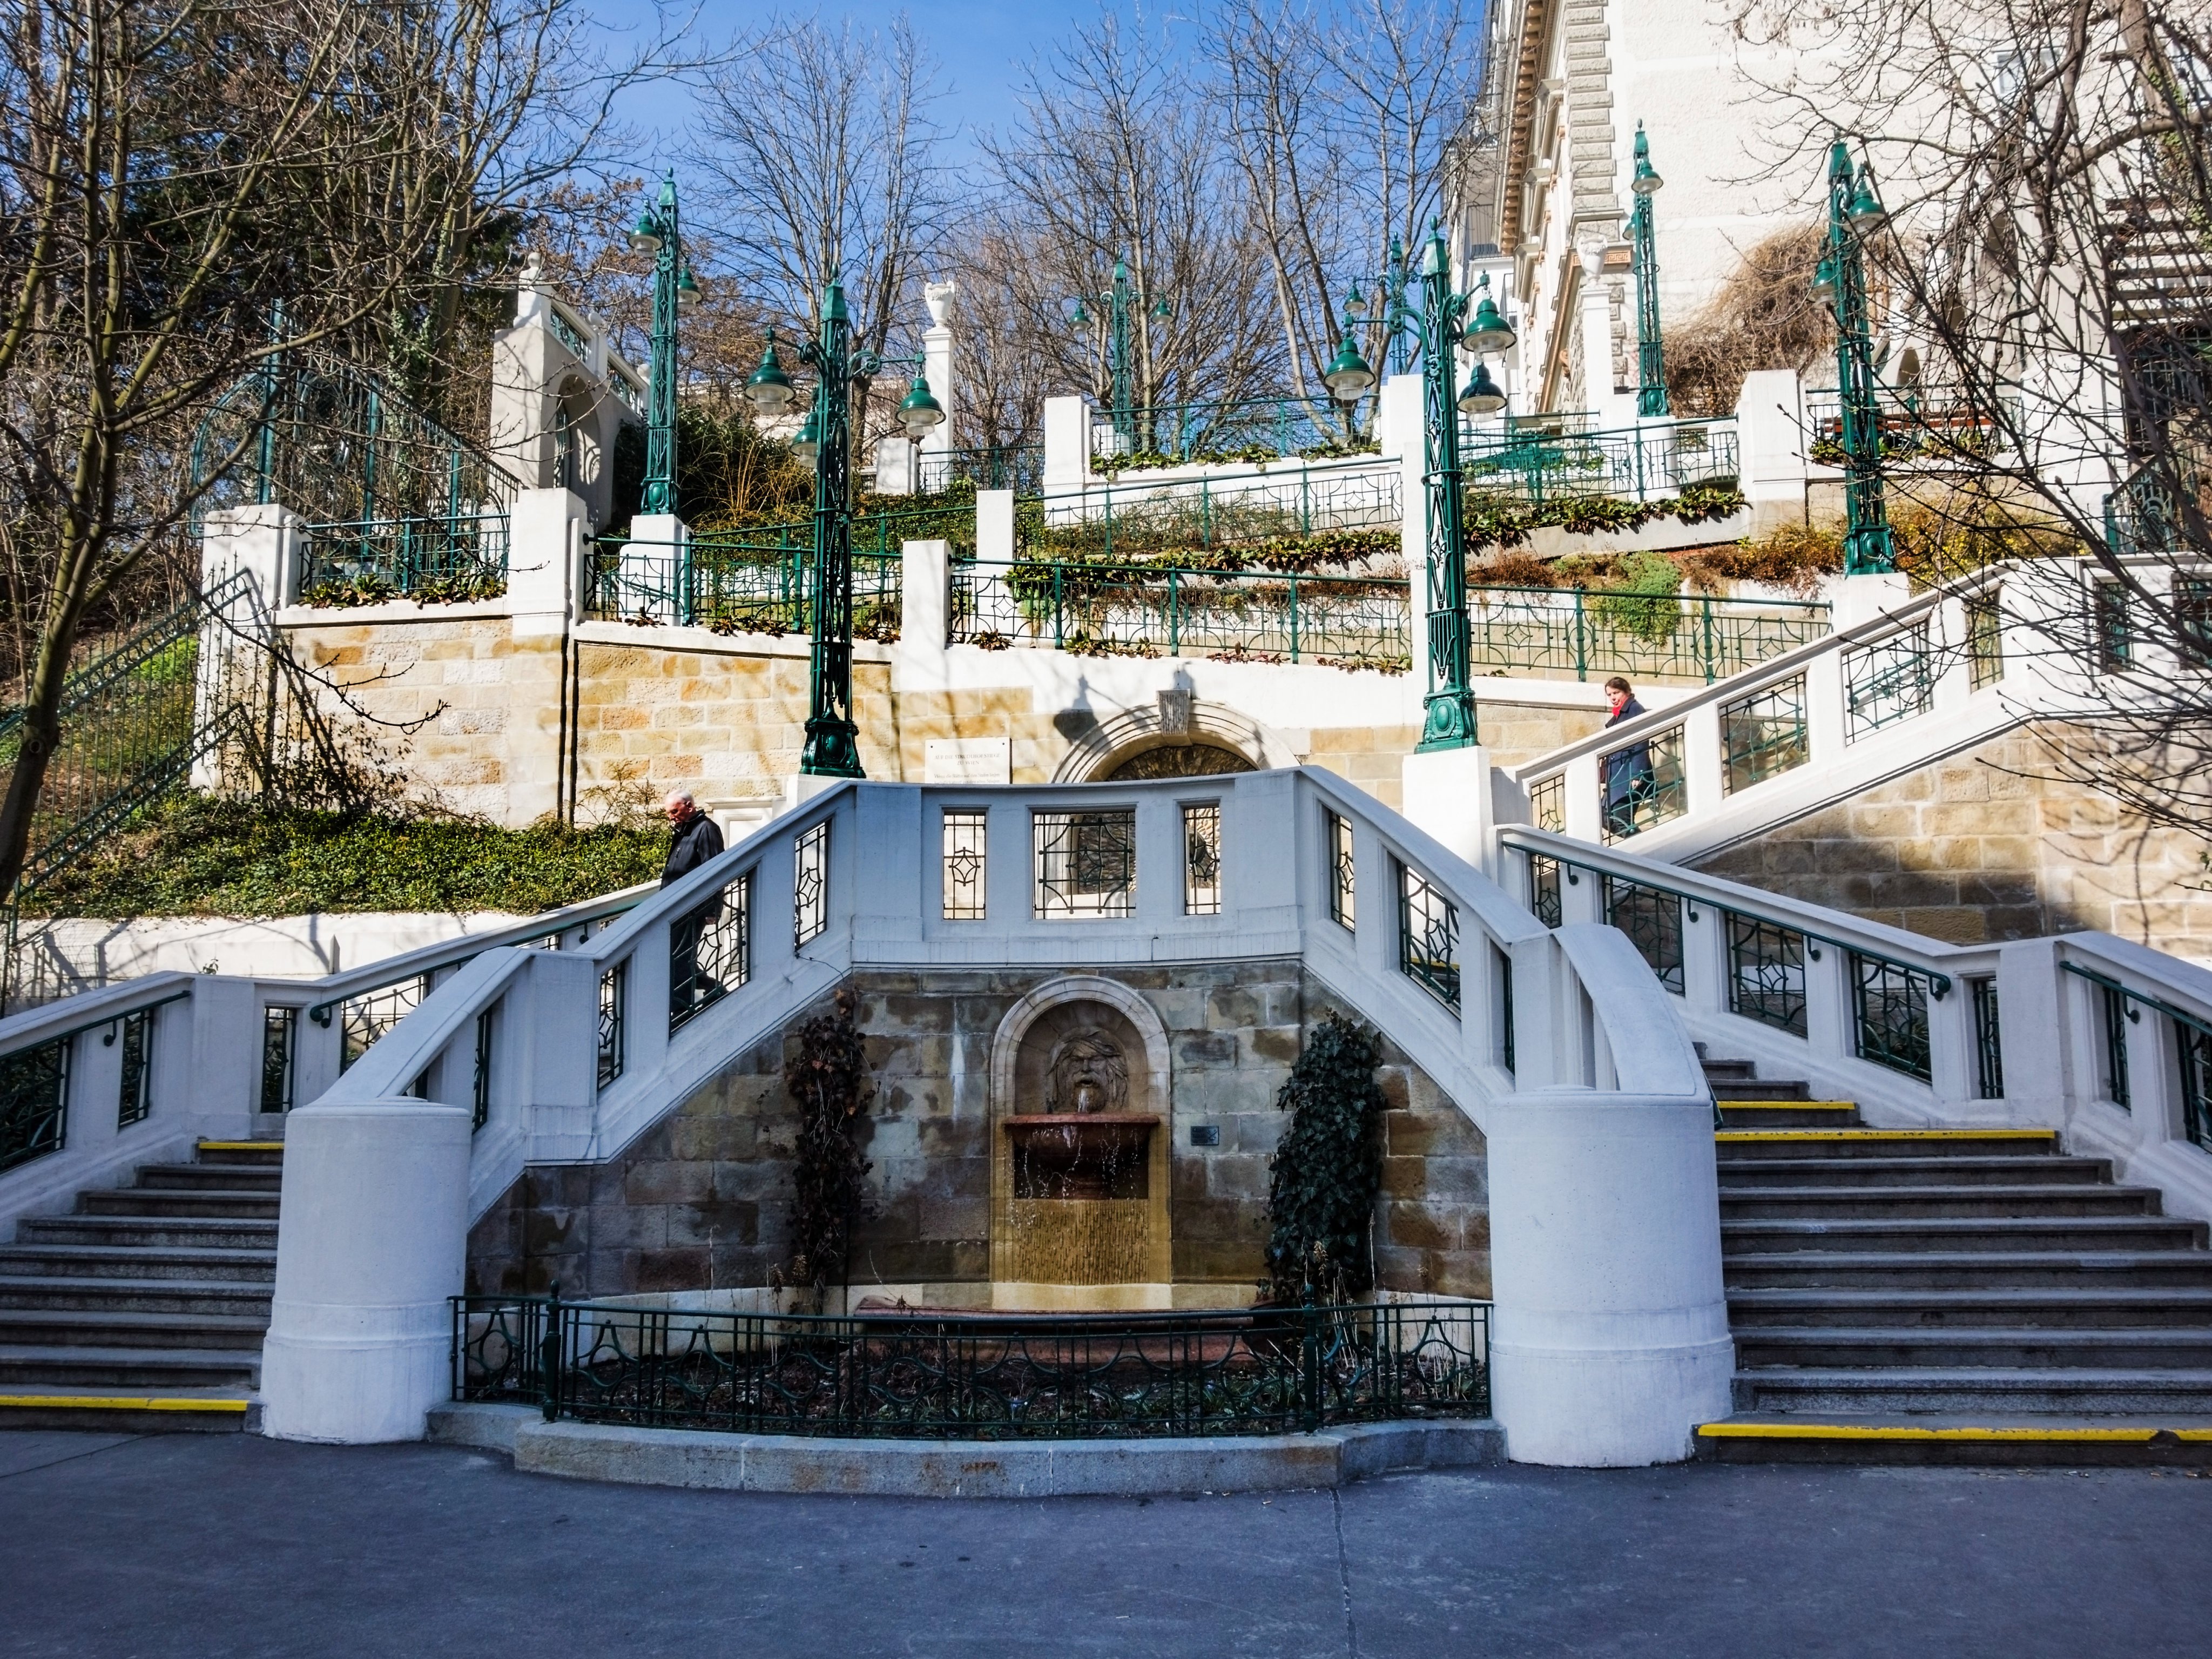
(964, 862)
(1201, 859)
(809, 883)
(1086, 864)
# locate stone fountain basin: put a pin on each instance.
(1081, 1155)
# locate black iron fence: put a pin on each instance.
(988, 1377)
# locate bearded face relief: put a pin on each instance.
(1088, 1074)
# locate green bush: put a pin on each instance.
(198, 856)
(1327, 1170)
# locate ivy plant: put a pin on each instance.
(826, 1075)
(1327, 1170)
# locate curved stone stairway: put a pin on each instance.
(145, 1309)
(1949, 1295)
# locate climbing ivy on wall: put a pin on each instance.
(1328, 1168)
(826, 1075)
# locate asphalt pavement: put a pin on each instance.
(234, 1546)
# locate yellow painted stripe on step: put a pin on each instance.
(1884, 1134)
(125, 1402)
(1888, 1432)
(239, 1146)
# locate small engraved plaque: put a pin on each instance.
(1206, 1134)
(968, 760)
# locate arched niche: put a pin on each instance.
(1181, 736)
(1082, 1030)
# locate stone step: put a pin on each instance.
(2003, 1439)
(178, 1202)
(1975, 1390)
(172, 1296)
(1731, 1089)
(151, 1232)
(182, 1265)
(1940, 1270)
(1841, 1348)
(2042, 1308)
(264, 1153)
(77, 1328)
(1874, 1203)
(1765, 1114)
(1961, 1233)
(1762, 1174)
(172, 1411)
(1733, 1145)
(52, 1368)
(1721, 1070)
(200, 1177)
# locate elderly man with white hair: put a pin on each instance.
(695, 839)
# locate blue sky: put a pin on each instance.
(980, 42)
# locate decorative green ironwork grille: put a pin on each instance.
(1762, 735)
(1017, 467)
(133, 1094)
(1201, 874)
(2115, 1016)
(614, 993)
(1343, 869)
(1545, 900)
(999, 1377)
(280, 1034)
(759, 580)
(1766, 972)
(1548, 803)
(1645, 463)
(362, 1019)
(1891, 680)
(809, 883)
(710, 953)
(1652, 919)
(1889, 1005)
(1643, 785)
(1428, 937)
(33, 1102)
(1086, 864)
(1989, 1046)
(2113, 627)
(444, 558)
(966, 850)
(2195, 1043)
(1984, 639)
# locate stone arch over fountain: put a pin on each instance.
(1093, 1037)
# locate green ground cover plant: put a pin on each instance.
(200, 856)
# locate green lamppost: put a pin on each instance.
(674, 290)
(1120, 302)
(1651, 356)
(1855, 213)
(832, 748)
(1447, 319)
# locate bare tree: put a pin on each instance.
(830, 161)
(171, 172)
(2046, 279)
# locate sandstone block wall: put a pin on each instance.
(1996, 842)
(703, 1200)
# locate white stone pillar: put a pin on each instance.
(1594, 320)
(895, 467)
(1067, 445)
(1448, 794)
(923, 601)
(937, 365)
(1612, 1343)
(544, 562)
(1769, 435)
(994, 526)
(653, 566)
(372, 1238)
(249, 565)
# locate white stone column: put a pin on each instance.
(937, 363)
(1067, 445)
(924, 601)
(994, 526)
(1448, 794)
(545, 595)
(544, 562)
(372, 1238)
(653, 560)
(250, 565)
(1770, 431)
(1594, 321)
(895, 465)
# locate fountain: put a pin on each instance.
(1084, 1221)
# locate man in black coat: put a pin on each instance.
(697, 839)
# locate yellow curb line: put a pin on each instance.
(1788, 1105)
(1870, 1431)
(117, 1403)
(238, 1145)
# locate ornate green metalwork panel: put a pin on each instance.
(1086, 864)
(710, 953)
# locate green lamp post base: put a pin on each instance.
(832, 751)
(1870, 552)
(1450, 723)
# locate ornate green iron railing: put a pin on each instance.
(1764, 734)
(1254, 512)
(1018, 467)
(992, 1376)
(759, 583)
(1914, 426)
(1145, 611)
(1643, 463)
(1989, 1044)
(1589, 634)
(435, 559)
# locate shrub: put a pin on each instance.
(1325, 1173)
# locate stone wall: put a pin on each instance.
(702, 1201)
(1996, 842)
(660, 709)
